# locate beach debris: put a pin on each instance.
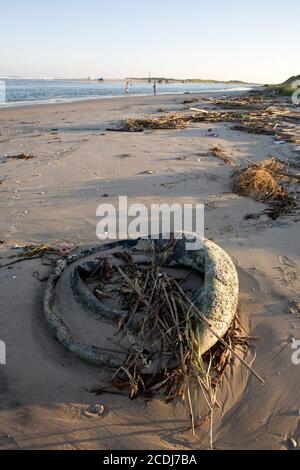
(127, 155)
(97, 409)
(253, 113)
(100, 390)
(218, 152)
(252, 216)
(57, 248)
(166, 354)
(257, 180)
(260, 126)
(183, 157)
(199, 110)
(49, 252)
(168, 121)
(256, 121)
(94, 411)
(245, 102)
(190, 100)
(291, 443)
(281, 207)
(294, 309)
(210, 134)
(21, 156)
(263, 181)
(171, 338)
(210, 205)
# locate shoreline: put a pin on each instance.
(21, 104)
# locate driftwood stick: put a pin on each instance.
(199, 110)
(19, 260)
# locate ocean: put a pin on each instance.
(31, 91)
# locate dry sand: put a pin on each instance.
(54, 196)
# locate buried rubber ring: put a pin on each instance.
(219, 298)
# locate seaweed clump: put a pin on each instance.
(264, 182)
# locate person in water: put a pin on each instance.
(127, 87)
(155, 88)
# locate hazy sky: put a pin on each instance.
(255, 40)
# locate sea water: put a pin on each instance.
(31, 91)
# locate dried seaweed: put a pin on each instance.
(263, 182)
(160, 323)
(240, 102)
(253, 116)
(51, 251)
(218, 152)
(21, 156)
(260, 126)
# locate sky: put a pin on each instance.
(255, 41)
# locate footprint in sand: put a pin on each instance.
(288, 271)
(286, 261)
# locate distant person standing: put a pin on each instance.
(155, 88)
(127, 88)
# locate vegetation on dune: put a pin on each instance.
(187, 80)
(286, 88)
(200, 80)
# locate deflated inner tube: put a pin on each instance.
(218, 302)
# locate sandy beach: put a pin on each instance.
(52, 198)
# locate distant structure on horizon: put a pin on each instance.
(94, 79)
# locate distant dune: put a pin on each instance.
(185, 80)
